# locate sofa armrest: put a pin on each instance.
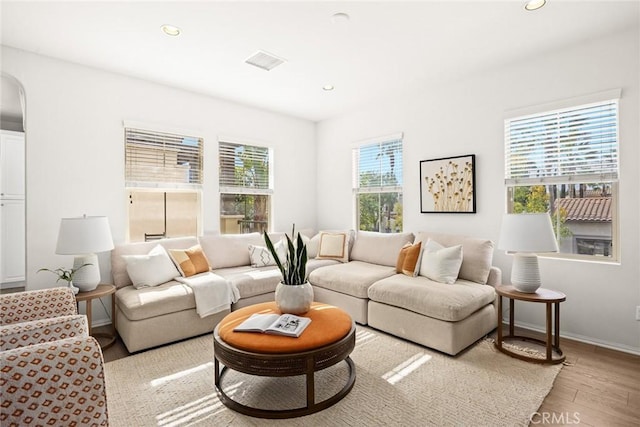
(34, 305)
(56, 383)
(39, 331)
(495, 277)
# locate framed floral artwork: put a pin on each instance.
(448, 185)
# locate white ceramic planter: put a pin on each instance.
(294, 299)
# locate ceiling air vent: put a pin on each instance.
(264, 60)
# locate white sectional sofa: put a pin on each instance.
(446, 317)
(156, 315)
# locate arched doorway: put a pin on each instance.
(12, 184)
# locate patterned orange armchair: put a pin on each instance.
(51, 370)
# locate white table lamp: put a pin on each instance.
(83, 237)
(525, 235)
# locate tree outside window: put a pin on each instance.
(378, 186)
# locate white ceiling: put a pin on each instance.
(386, 47)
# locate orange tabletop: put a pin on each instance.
(328, 325)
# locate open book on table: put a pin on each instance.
(285, 324)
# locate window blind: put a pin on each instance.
(244, 168)
(578, 144)
(157, 159)
(378, 167)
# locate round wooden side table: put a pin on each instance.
(551, 298)
(88, 297)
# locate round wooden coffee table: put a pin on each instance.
(328, 340)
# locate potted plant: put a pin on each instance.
(66, 275)
(294, 293)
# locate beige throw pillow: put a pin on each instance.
(334, 245)
(439, 263)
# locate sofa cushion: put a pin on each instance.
(232, 250)
(334, 245)
(190, 261)
(170, 297)
(439, 263)
(379, 248)
(313, 244)
(260, 256)
(448, 302)
(478, 253)
(119, 266)
(151, 269)
(352, 278)
(409, 259)
(252, 281)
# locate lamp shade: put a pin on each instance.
(527, 232)
(84, 235)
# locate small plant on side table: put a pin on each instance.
(66, 275)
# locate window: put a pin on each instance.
(377, 183)
(565, 162)
(163, 176)
(245, 187)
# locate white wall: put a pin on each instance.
(446, 119)
(75, 150)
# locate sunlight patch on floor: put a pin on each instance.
(405, 368)
(197, 409)
(363, 337)
(166, 379)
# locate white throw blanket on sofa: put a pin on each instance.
(213, 293)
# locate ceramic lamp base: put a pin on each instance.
(86, 278)
(525, 274)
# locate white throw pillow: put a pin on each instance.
(261, 256)
(439, 263)
(152, 269)
(334, 245)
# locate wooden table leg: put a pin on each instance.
(310, 383)
(216, 370)
(113, 313)
(557, 325)
(87, 305)
(499, 320)
(549, 336)
(511, 316)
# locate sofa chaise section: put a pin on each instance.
(446, 317)
(149, 317)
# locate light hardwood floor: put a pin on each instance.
(596, 387)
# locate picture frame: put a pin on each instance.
(448, 185)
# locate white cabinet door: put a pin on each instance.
(12, 165)
(12, 241)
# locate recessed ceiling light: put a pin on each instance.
(328, 88)
(534, 4)
(171, 30)
(340, 18)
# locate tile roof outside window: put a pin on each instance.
(593, 209)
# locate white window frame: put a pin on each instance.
(225, 188)
(566, 167)
(165, 142)
(372, 189)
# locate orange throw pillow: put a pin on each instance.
(401, 257)
(190, 261)
(412, 259)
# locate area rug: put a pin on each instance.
(398, 384)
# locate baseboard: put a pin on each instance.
(579, 338)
